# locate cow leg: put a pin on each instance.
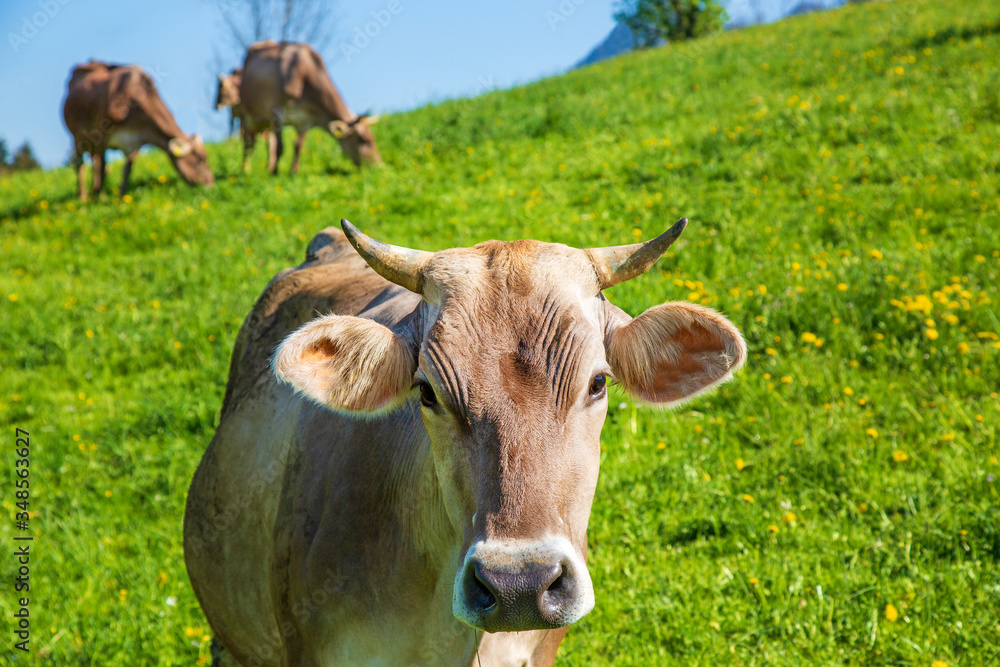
(277, 147)
(298, 151)
(97, 157)
(127, 169)
(81, 173)
(249, 141)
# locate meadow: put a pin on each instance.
(835, 503)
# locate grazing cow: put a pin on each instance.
(228, 95)
(414, 486)
(287, 84)
(117, 106)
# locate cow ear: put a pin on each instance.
(348, 364)
(338, 128)
(673, 352)
(178, 147)
(370, 120)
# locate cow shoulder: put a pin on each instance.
(332, 279)
(128, 86)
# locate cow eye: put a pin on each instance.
(598, 386)
(427, 397)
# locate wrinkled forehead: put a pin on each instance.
(520, 269)
(523, 295)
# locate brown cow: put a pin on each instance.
(287, 84)
(422, 468)
(117, 106)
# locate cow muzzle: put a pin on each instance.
(520, 585)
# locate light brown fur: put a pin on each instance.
(288, 84)
(118, 106)
(339, 534)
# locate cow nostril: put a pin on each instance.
(558, 585)
(481, 596)
(556, 595)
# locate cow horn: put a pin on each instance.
(396, 264)
(616, 264)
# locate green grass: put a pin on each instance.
(840, 173)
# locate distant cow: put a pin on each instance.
(287, 84)
(117, 106)
(423, 466)
(228, 95)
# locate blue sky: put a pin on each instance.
(428, 51)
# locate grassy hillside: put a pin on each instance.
(835, 503)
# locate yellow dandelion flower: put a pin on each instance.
(787, 379)
(789, 518)
(770, 352)
(841, 287)
(754, 581)
(862, 507)
(899, 456)
(661, 445)
(875, 254)
(12, 297)
(891, 613)
(740, 464)
(963, 347)
(809, 337)
(107, 494)
(932, 334)
(89, 333)
(818, 342)
(848, 391)
(161, 578)
(747, 497)
(871, 432)
(127, 199)
(773, 528)
(938, 663)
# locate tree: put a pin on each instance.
(249, 21)
(24, 158)
(4, 153)
(653, 22)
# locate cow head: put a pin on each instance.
(509, 354)
(228, 93)
(189, 157)
(357, 139)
